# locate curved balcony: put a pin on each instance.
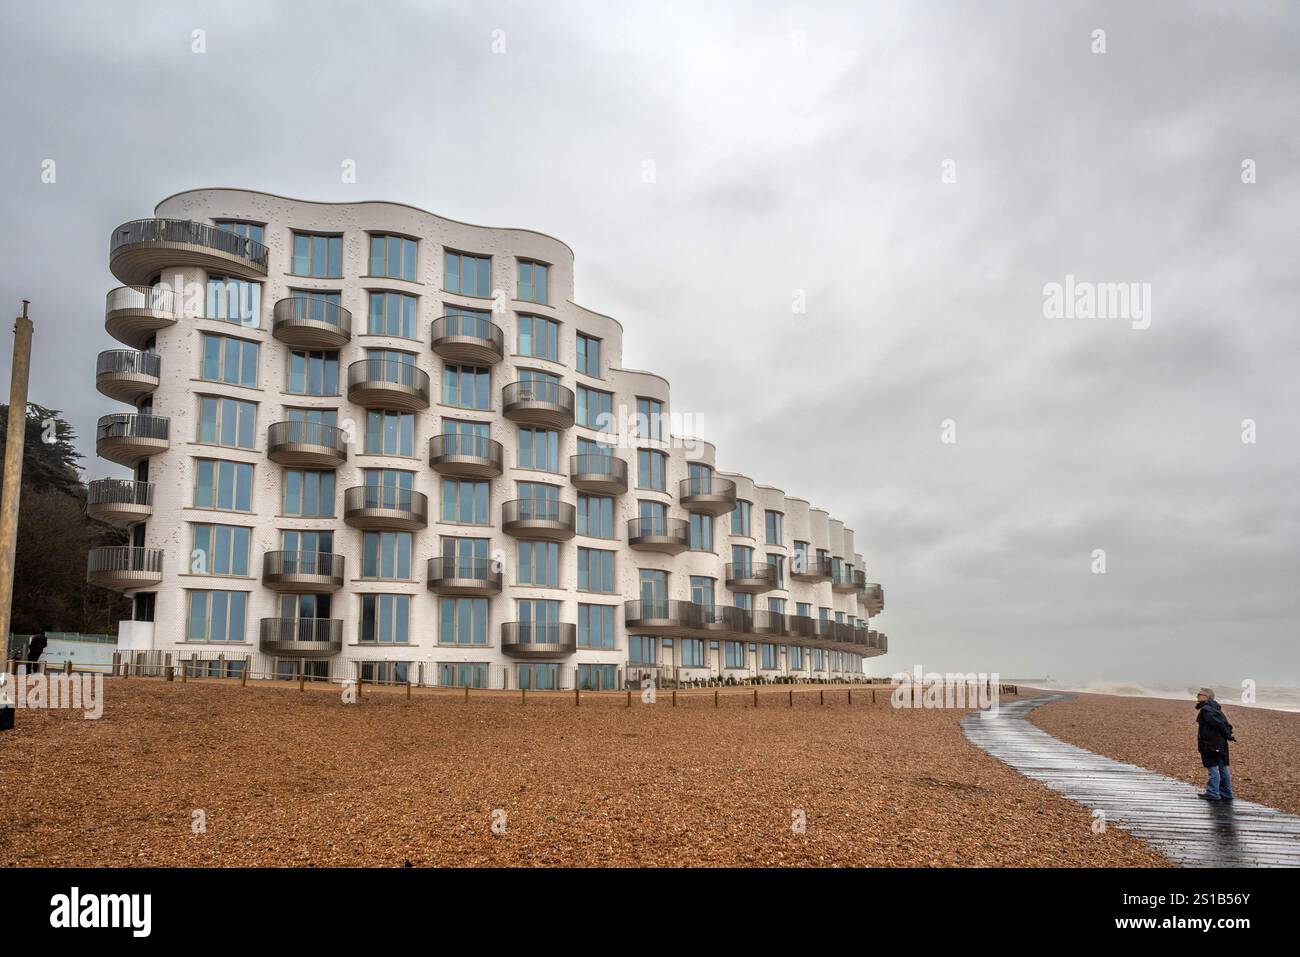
(770, 623)
(132, 314)
(127, 375)
(708, 494)
(662, 617)
(844, 581)
(859, 580)
(385, 507)
(470, 340)
(139, 250)
(463, 576)
(751, 577)
(538, 518)
(527, 640)
(119, 501)
(124, 567)
(722, 620)
(301, 637)
(598, 472)
(464, 455)
(810, 568)
(312, 445)
(545, 404)
(801, 627)
(874, 598)
(311, 322)
(670, 536)
(312, 572)
(388, 384)
(126, 438)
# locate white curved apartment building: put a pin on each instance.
(365, 436)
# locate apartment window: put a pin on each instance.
(227, 486)
(467, 322)
(539, 492)
(702, 590)
(220, 550)
(539, 338)
(588, 355)
(254, 231)
(308, 493)
(234, 300)
(541, 386)
(800, 563)
(539, 449)
(803, 609)
(463, 621)
(532, 281)
(745, 602)
(653, 586)
(778, 565)
(642, 650)
(595, 516)
(597, 677)
(734, 654)
(392, 314)
(692, 652)
(390, 433)
(462, 674)
(772, 525)
(742, 556)
(539, 675)
(740, 518)
(307, 542)
(464, 502)
(315, 418)
(796, 658)
(216, 616)
(466, 387)
(596, 626)
(386, 619)
(313, 372)
(596, 409)
(651, 470)
(776, 606)
(769, 656)
(539, 620)
(595, 570)
(701, 532)
(392, 256)
(386, 555)
(469, 556)
(388, 488)
(317, 305)
(230, 360)
(539, 564)
(227, 422)
(318, 255)
(653, 517)
(649, 418)
(467, 275)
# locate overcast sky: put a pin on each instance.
(800, 147)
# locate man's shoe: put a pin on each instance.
(1207, 797)
(1229, 800)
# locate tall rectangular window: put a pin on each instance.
(234, 300)
(692, 652)
(318, 255)
(649, 418)
(230, 360)
(651, 470)
(464, 502)
(467, 275)
(216, 615)
(308, 493)
(462, 621)
(642, 650)
(539, 338)
(588, 355)
(595, 570)
(227, 422)
(539, 449)
(220, 550)
(466, 387)
(796, 658)
(596, 409)
(740, 518)
(595, 516)
(386, 619)
(778, 565)
(702, 590)
(392, 256)
(386, 555)
(390, 433)
(392, 314)
(227, 486)
(596, 626)
(734, 653)
(772, 525)
(533, 281)
(701, 532)
(313, 373)
(539, 564)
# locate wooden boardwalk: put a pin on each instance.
(1164, 812)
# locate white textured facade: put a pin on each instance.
(817, 628)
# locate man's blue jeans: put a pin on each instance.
(1219, 784)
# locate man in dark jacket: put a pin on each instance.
(1213, 732)
(35, 648)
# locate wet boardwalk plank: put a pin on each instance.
(1164, 812)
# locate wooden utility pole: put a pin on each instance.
(18, 378)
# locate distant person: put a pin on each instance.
(1213, 732)
(35, 648)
